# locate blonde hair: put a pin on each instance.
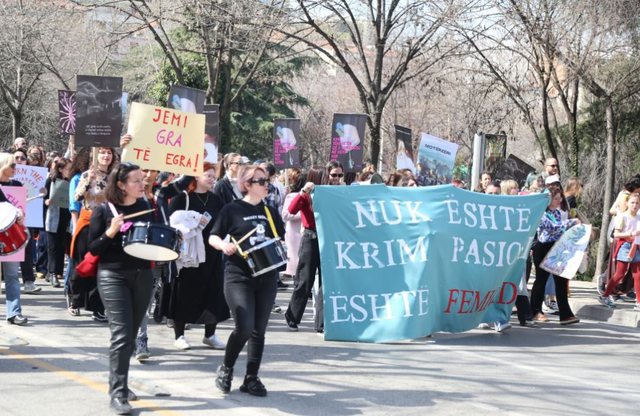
(507, 186)
(6, 160)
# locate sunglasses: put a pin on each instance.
(261, 181)
(336, 175)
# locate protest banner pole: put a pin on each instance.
(478, 159)
(94, 156)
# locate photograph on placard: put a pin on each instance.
(347, 140)
(404, 149)
(67, 111)
(436, 160)
(211, 132)
(286, 151)
(99, 112)
(189, 100)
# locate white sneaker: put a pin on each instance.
(182, 343)
(501, 326)
(484, 325)
(30, 287)
(214, 342)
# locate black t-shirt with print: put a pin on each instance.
(239, 218)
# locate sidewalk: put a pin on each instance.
(584, 304)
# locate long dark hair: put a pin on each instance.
(81, 161)
(112, 192)
(315, 175)
(55, 173)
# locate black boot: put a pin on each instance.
(120, 406)
(223, 381)
(253, 386)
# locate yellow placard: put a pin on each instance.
(165, 139)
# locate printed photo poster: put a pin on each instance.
(514, 168)
(404, 149)
(17, 196)
(33, 178)
(565, 257)
(211, 132)
(188, 100)
(347, 140)
(67, 111)
(99, 112)
(286, 152)
(165, 139)
(436, 159)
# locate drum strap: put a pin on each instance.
(271, 224)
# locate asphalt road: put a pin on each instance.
(57, 365)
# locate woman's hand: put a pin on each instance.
(308, 187)
(114, 227)
(229, 249)
(47, 202)
(125, 140)
(20, 217)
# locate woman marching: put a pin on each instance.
(90, 191)
(196, 295)
(57, 218)
(124, 282)
(552, 225)
(625, 251)
(250, 298)
(10, 269)
(309, 254)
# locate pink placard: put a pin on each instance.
(17, 196)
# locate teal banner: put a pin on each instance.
(402, 263)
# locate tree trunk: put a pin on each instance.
(601, 261)
(16, 124)
(375, 129)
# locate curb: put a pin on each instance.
(622, 315)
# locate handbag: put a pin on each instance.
(88, 267)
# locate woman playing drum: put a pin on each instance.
(124, 282)
(10, 268)
(250, 298)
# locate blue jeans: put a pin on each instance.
(10, 272)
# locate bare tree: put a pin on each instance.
(380, 45)
(610, 72)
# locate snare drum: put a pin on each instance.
(266, 256)
(154, 242)
(13, 236)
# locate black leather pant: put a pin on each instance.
(250, 300)
(540, 250)
(309, 263)
(126, 295)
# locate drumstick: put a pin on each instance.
(35, 197)
(137, 214)
(237, 244)
(246, 236)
